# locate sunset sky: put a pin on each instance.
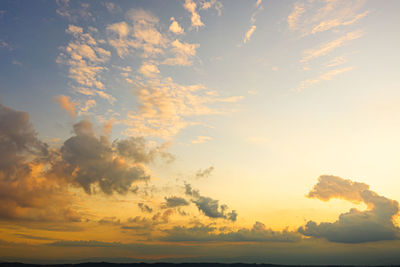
(200, 130)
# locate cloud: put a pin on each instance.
(210, 207)
(373, 224)
(137, 150)
(90, 161)
(323, 77)
(204, 173)
(26, 192)
(88, 105)
(190, 6)
(330, 46)
(212, 3)
(336, 62)
(85, 59)
(312, 17)
(66, 104)
(249, 33)
(207, 233)
(141, 33)
(165, 106)
(145, 208)
(148, 69)
(173, 202)
(175, 27)
(65, 10)
(120, 28)
(329, 24)
(6, 45)
(293, 18)
(253, 27)
(201, 139)
(183, 53)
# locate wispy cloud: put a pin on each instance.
(201, 139)
(253, 27)
(249, 33)
(323, 77)
(326, 48)
(311, 17)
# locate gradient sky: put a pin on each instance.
(200, 130)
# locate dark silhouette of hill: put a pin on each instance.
(164, 264)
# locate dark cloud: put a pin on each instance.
(210, 207)
(374, 224)
(88, 161)
(145, 208)
(207, 233)
(34, 237)
(136, 149)
(163, 217)
(173, 202)
(204, 173)
(26, 193)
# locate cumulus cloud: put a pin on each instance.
(210, 207)
(66, 104)
(89, 161)
(204, 173)
(373, 224)
(207, 233)
(26, 192)
(173, 202)
(175, 27)
(191, 6)
(137, 150)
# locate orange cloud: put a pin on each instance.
(66, 104)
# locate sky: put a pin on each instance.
(200, 130)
